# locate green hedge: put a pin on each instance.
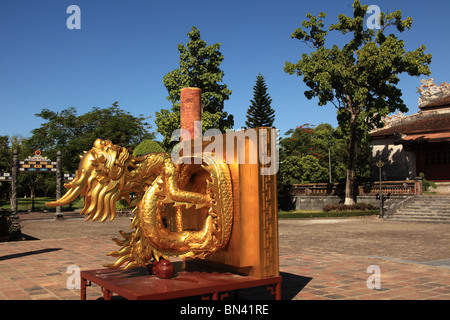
(347, 208)
(294, 214)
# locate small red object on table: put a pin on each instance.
(162, 269)
(137, 284)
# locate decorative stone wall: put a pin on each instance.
(316, 203)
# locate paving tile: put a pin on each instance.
(38, 270)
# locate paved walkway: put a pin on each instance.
(319, 259)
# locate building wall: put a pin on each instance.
(433, 160)
(314, 203)
(399, 164)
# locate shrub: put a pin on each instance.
(303, 215)
(425, 183)
(7, 229)
(147, 146)
(342, 207)
(5, 223)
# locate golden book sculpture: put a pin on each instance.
(220, 207)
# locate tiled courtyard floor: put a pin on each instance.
(341, 276)
(317, 260)
(38, 269)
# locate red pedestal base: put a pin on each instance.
(137, 284)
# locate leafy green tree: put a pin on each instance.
(320, 142)
(312, 171)
(304, 169)
(73, 134)
(147, 146)
(298, 141)
(361, 77)
(200, 68)
(294, 149)
(260, 113)
(5, 157)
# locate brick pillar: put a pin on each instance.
(190, 111)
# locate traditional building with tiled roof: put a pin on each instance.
(419, 143)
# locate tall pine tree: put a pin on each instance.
(260, 113)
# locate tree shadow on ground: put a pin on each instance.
(28, 253)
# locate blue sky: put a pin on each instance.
(124, 49)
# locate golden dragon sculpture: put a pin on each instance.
(167, 197)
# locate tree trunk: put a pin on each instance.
(351, 161)
(32, 195)
(349, 188)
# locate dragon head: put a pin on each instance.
(99, 178)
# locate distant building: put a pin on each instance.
(409, 145)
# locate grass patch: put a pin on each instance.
(322, 214)
(25, 204)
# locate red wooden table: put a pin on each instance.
(136, 284)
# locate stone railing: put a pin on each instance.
(406, 187)
(318, 189)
